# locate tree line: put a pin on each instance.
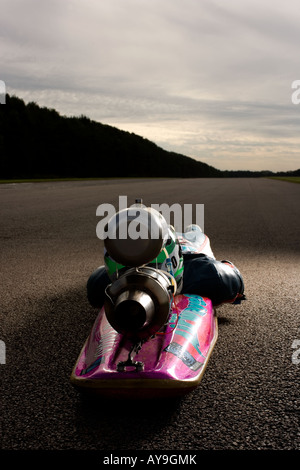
(37, 142)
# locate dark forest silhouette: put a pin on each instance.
(37, 142)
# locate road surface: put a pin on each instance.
(249, 396)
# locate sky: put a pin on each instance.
(210, 79)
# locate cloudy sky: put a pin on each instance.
(211, 79)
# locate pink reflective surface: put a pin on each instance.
(177, 354)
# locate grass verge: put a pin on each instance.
(290, 179)
(45, 180)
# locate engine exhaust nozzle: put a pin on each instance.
(134, 309)
(137, 304)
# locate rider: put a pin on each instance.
(195, 272)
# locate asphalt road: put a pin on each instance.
(249, 396)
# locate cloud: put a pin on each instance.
(209, 79)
